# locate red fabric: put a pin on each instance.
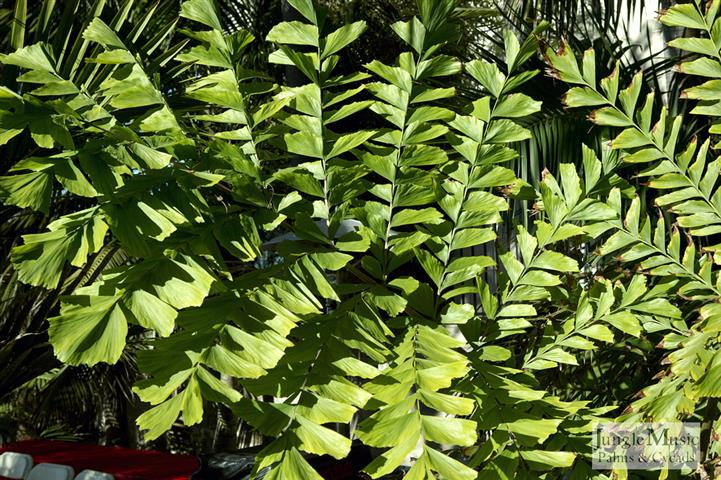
(122, 463)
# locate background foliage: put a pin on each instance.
(289, 235)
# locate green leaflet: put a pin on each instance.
(32, 57)
(100, 33)
(72, 238)
(31, 190)
(294, 33)
(189, 402)
(545, 460)
(129, 87)
(202, 11)
(34, 189)
(683, 16)
(89, 330)
(141, 224)
(93, 322)
(240, 237)
(342, 37)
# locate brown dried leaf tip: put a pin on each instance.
(550, 71)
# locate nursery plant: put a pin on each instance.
(324, 256)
